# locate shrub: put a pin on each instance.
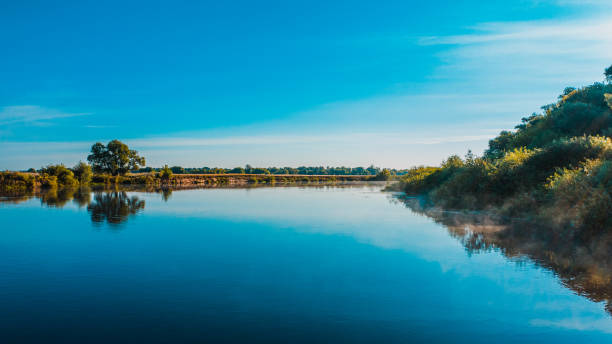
(82, 172)
(47, 181)
(385, 174)
(16, 181)
(165, 173)
(64, 176)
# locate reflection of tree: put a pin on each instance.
(53, 197)
(15, 197)
(114, 207)
(582, 261)
(57, 197)
(166, 194)
(82, 197)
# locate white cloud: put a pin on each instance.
(338, 149)
(386, 138)
(557, 33)
(598, 3)
(534, 55)
(32, 114)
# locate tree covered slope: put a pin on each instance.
(555, 165)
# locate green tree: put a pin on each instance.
(608, 74)
(385, 174)
(115, 158)
(63, 175)
(177, 170)
(165, 173)
(82, 172)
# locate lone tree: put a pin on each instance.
(115, 158)
(608, 74)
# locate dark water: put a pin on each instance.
(288, 265)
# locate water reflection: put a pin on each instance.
(114, 207)
(58, 198)
(582, 261)
(110, 206)
(166, 193)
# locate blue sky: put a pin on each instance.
(390, 83)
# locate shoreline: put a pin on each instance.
(24, 180)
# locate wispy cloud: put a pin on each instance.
(602, 3)
(354, 149)
(381, 138)
(512, 54)
(32, 114)
(584, 31)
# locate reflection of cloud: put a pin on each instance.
(95, 126)
(602, 324)
(32, 114)
(336, 214)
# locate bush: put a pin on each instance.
(64, 176)
(49, 182)
(385, 174)
(10, 181)
(165, 173)
(82, 172)
(583, 195)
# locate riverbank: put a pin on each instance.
(20, 180)
(554, 168)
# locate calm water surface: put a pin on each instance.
(264, 265)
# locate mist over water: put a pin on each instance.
(289, 264)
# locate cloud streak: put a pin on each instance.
(534, 54)
(384, 138)
(32, 115)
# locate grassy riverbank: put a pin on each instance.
(555, 166)
(23, 181)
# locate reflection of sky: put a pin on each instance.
(342, 256)
(368, 216)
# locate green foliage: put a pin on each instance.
(580, 112)
(417, 180)
(584, 194)
(385, 174)
(16, 181)
(115, 158)
(82, 172)
(302, 170)
(64, 176)
(556, 165)
(165, 173)
(177, 169)
(48, 182)
(608, 74)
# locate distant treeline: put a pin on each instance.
(303, 170)
(112, 164)
(555, 166)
